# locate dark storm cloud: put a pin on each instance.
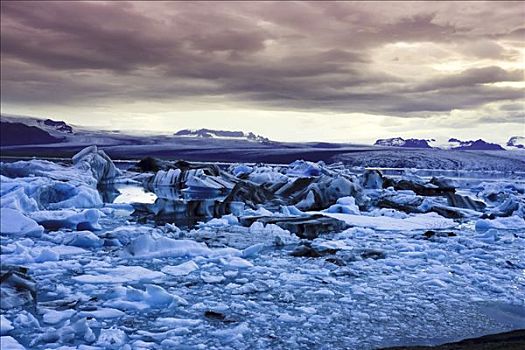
(514, 118)
(470, 77)
(305, 55)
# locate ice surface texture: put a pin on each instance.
(390, 260)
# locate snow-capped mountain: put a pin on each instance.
(473, 145)
(56, 125)
(452, 143)
(56, 128)
(516, 142)
(400, 142)
(221, 134)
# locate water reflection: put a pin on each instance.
(134, 194)
(126, 193)
(174, 194)
(165, 204)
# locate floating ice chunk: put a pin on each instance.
(18, 200)
(327, 189)
(97, 163)
(323, 292)
(147, 246)
(252, 287)
(123, 235)
(350, 201)
(5, 325)
(127, 305)
(285, 317)
(38, 169)
(166, 178)
(198, 181)
(256, 227)
(157, 296)
(61, 250)
(26, 320)
(84, 239)
(490, 236)
(120, 274)
(259, 212)
(102, 313)
(112, 338)
(31, 194)
(77, 330)
(172, 322)
(513, 205)
(154, 291)
(344, 205)
(355, 232)
(388, 212)
(437, 283)
(426, 221)
(155, 246)
(263, 175)
(506, 223)
(252, 250)
(211, 278)
(19, 255)
(303, 168)
(231, 334)
(12, 222)
(291, 210)
(321, 245)
(154, 296)
(54, 317)
(372, 179)
(70, 196)
(9, 343)
(236, 262)
(230, 219)
(241, 169)
(224, 221)
(47, 255)
(308, 201)
(172, 228)
(181, 270)
(215, 223)
(77, 220)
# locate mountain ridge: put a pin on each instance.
(515, 142)
(223, 134)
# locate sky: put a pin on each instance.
(290, 71)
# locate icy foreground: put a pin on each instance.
(299, 256)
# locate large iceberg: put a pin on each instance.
(97, 162)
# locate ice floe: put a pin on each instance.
(13, 222)
(119, 274)
(86, 219)
(427, 221)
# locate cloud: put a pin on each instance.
(471, 77)
(302, 56)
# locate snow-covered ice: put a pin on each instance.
(430, 221)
